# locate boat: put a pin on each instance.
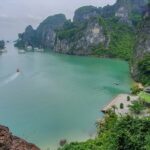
(3, 51)
(116, 83)
(21, 51)
(29, 48)
(17, 70)
(38, 50)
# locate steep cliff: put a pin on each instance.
(128, 11)
(107, 31)
(27, 38)
(85, 13)
(46, 32)
(141, 57)
(44, 35)
(10, 142)
(82, 38)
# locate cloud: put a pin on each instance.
(4, 16)
(33, 17)
(15, 15)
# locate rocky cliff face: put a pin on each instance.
(125, 9)
(82, 42)
(85, 13)
(141, 58)
(28, 37)
(85, 32)
(44, 36)
(10, 142)
(46, 32)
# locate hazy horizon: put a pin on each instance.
(15, 15)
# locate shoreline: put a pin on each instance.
(120, 99)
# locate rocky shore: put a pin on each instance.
(11, 142)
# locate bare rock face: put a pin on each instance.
(83, 33)
(142, 48)
(46, 32)
(123, 14)
(83, 41)
(85, 13)
(10, 142)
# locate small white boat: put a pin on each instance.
(38, 50)
(29, 48)
(21, 51)
(3, 51)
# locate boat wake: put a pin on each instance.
(9, 79)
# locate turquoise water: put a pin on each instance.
(56, 96)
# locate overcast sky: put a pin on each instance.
(15, 15)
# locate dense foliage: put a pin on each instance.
(145, 97)
(144, 70)
(52, 22)
(136, 107)
(28, 38)
(84, 13)
(117, 133)
(70, 31)
(122, 39)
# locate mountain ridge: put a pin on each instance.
(110, 31)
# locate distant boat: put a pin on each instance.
(3, 51)
(17, 70)
(116, 83)
(38, 50)
(21, 51)
(29, 48)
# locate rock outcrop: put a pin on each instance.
(46, 32)
(125, 10)
(28, 37)
(44, 36)
(81, 42)
(86, 32)
(141, 58)
(10, 142)
(85, 13)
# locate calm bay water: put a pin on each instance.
(57, 96)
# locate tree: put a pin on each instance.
(128, 98)
(121, 105)
(136, 107)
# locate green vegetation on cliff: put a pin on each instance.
(122, 39)
(141, 56)
(144, 70)
(117, 133)
(113, 37)
(70, 31)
